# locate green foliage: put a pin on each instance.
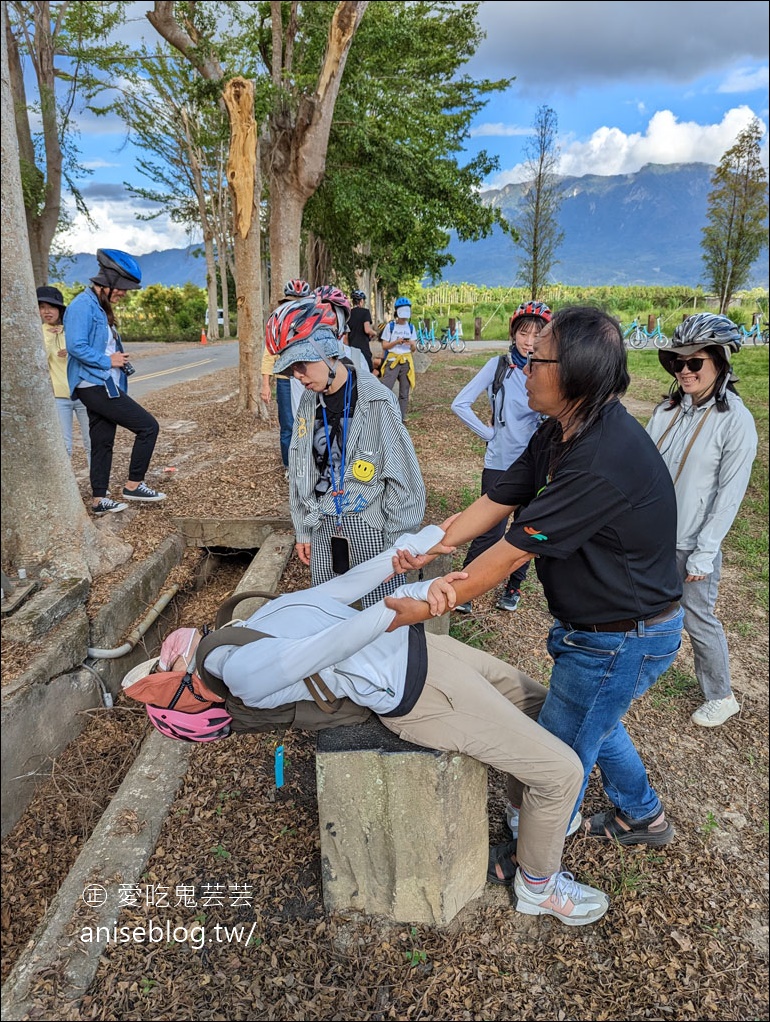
(736, 231)
(157, 313)
(396, 182)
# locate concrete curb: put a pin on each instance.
(117, 851)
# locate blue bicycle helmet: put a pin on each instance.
(117, 270)
(399, 302)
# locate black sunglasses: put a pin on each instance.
(677, 365)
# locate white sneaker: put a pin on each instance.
(512, 819)
(571, 903)
(716, 711)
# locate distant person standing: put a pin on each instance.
(97, 373)
(399, 341)
(360, 328)
(507, 434)
(708, 440)
(50, 302)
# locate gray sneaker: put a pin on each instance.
(464, 608)
(564, 898)
(509, 600)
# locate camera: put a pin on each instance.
(128, 369)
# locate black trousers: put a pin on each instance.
(489, 477)
(105, 414)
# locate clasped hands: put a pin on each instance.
(441, 594)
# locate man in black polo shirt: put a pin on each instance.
(598, 514)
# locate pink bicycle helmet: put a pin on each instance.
(339, 301)
(206, 726)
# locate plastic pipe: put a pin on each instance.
(155, 612)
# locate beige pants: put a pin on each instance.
(480, 706)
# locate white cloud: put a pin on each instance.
(745, 80)
(98, 164)
(499, 129)
(666, 140)
(117, 227)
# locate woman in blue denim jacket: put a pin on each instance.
(97, 374)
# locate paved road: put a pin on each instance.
(161, 365)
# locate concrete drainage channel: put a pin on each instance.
(41, 715)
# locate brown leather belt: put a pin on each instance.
(627, 625)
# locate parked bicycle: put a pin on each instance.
(451, 339)
(426, 336)
(633, 334)
(756, 334)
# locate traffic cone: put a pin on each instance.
(204, 340)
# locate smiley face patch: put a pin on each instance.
(363, 471)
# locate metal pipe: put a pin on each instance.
(155, 612)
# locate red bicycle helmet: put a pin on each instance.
(537, 310)
(298, 321)
(206, 726)
(296, 288)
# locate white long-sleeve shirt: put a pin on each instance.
(715, 475)
(316, 631)
(513, 423)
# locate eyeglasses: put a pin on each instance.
(678, 365)
(531, 360)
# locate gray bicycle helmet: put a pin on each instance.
(358, 296)
(703, 330)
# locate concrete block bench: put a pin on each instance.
(404, 830)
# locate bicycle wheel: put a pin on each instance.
(661, 341)
(434, 344)
(457, 344)
(637, 339)
(765, 336)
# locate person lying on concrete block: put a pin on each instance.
(428, 689)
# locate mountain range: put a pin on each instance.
(642, 228)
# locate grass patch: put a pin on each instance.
(673, 685)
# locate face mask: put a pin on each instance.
(404, 312)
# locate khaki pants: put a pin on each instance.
(480, 706)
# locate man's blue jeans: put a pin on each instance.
(595, 678)
(285, 416)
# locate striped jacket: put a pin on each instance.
(382, 483)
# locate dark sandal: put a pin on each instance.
(500, 855)
(606, 827)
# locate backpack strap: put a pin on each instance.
(498, 384)
(237, 635)
(225, 612)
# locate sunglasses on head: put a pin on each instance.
(678, 365)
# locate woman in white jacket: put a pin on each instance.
(429, 689)
(708, 440)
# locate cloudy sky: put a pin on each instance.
(630, 83)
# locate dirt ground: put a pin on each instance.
(686, 936)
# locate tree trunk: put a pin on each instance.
(224, 283)
(285, 229)
(44, 520)
(244, 179)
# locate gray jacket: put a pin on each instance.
(382, 482)
(715, 475)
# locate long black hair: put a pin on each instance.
(592, 368)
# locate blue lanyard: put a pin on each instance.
(338, 491)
